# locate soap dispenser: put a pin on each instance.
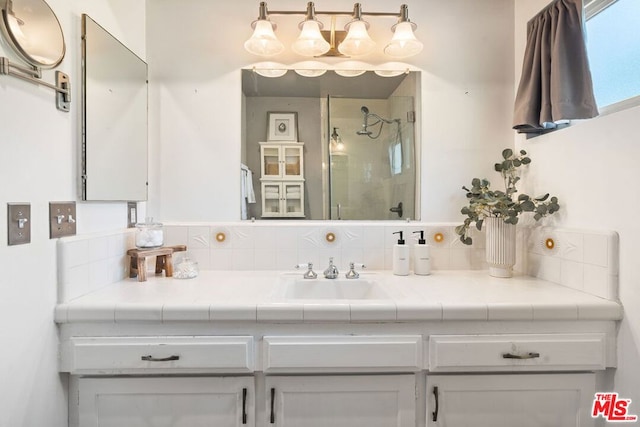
(421, 256)
(400, 257)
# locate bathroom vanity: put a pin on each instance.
(239, 348)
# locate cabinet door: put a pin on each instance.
(293, 199)
(341, 401)
(536, 400)
(166, 402)
(293, 162)
(272, 199)
(271, 161)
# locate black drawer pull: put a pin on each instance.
(272, 419)
(434, 414)
(159, 359)
(531, 355)
(244, 406)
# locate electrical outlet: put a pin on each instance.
(62, 219)
(132, 214)
(18, 223)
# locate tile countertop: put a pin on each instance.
(253, 297)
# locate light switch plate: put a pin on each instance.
(18, 223)
(62, 219)
(132, 214)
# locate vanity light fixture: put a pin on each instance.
(312, 42)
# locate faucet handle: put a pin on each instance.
(331, 271)
(309, 274)
(352, 273)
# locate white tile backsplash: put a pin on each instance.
(583, 260)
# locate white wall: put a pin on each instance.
(592, 167)
(39, 164)
(467, 92)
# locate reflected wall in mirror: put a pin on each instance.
(33, 31)
(114, 118)
(359, 141)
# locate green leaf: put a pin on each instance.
(506, 153)
(465, 210)
(528, 206)
(479, 224)
(542, 198)
(466, 240)
(522, 152)
(525, 160)
(516, 163)
(475, 182)
(460, 229)
(537, 217)
(523, 197)
(498, 167)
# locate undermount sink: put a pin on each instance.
(297, 288)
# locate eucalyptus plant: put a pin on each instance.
(485, 202)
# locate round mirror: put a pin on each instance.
(33, 30)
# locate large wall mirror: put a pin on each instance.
(114, 118)
(358, 136)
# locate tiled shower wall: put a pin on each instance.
(583, 260)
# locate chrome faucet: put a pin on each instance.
(332, 271)
(352, 273)
(309, 274)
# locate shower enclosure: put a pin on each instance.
(371, 158)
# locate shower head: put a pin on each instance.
(364, 110)
(364, 132)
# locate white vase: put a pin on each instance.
(501, 247)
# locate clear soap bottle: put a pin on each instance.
(400, 257)
(421, 256)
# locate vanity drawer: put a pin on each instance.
(342, 354)
(524, 352)
(179, 354)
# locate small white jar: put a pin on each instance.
(149, 234)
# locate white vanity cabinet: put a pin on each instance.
(524, 400)
(163, 402)
(341, 400)
(493, 380)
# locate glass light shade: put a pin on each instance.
(263, 42)
(350, 73)
(310, 41)
(309, 72)
(404, 42)
(357, 41)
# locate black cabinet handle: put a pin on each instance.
(244, 406)
(434, 414)
(273, 400)
(531, 355)
(159, 359)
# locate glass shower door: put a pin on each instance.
(372, 174)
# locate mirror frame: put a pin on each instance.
(23, 51)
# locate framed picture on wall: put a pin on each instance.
(282, 126)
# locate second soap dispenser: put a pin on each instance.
(421, 256)
(400, 257)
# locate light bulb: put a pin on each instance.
(263, 41)
(404, 42)
(357, 41)
(310, 41)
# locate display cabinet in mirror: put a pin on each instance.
(361, 142)
(114, 118)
